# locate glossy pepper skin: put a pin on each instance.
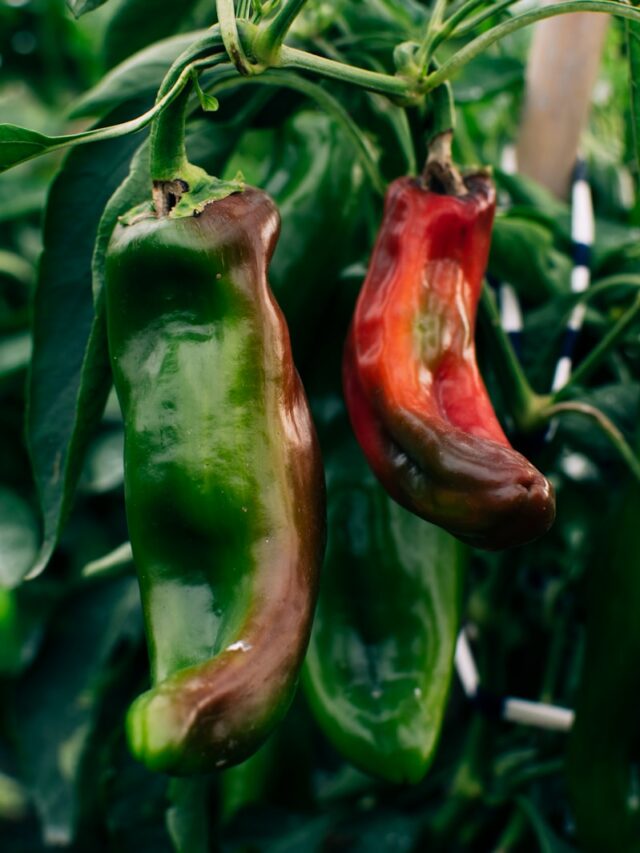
(224, 487)
(604, 744)
(380, 661)
(417, 402)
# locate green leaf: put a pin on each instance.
(523, 254)
(137, 77)
(208, 103)
(138, 23)
(487, 76)
(94, 635)
(81, 7)
(18, 538)
(70, 375)
(188, 817)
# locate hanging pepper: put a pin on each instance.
(417, 402)
(224, 488)
(379, 665)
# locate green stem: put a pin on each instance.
(168, 154)
(456, 18)
(600, 351)
(274, 29)
(481, 17)
(606, 425)
(523, 402)
(332, 106)
(513, 834)
(374, 81)
(482, 42)
(433, 27)
(231, 38)
(611, 281)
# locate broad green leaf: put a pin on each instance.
(70, 375)
(138, 23)
(523, 253)
(138, 76)
(93, 636)
(18, 538)
(81, 7)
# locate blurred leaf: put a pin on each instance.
(138, 23)
(16, 267)
(620, 404)
(523, 254)
(138, 76)
(112, 563)
(70, 374)
(104, 467)
(487, 76)
(14, 801)
(633, 48)
(18, 538)
(548, 841)
(59, 700)
(188, 817)
(81, 7)
(24, 613)
(15, 352)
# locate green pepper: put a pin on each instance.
(224, 488)
(604, 746)
(380, 661)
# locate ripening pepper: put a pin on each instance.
(417, 402)
(224, 487)
(380, 661)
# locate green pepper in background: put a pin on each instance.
(604, 745)
(380, 661)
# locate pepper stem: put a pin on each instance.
(168, 154)
(440, 175)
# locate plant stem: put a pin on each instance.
(481, 17)
(332, 106)
(433, 27)
(457, 17)
(600, 351)
(523, 402)
(374, 81)
(606, 425)
(482, 42)
(231, 37)
(275, 28)
(168, 154)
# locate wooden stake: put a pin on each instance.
(562, 70)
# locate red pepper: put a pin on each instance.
(417, 402)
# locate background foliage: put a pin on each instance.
(72, 652)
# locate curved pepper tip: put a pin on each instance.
(152, 732)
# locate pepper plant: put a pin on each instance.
(182, 109)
